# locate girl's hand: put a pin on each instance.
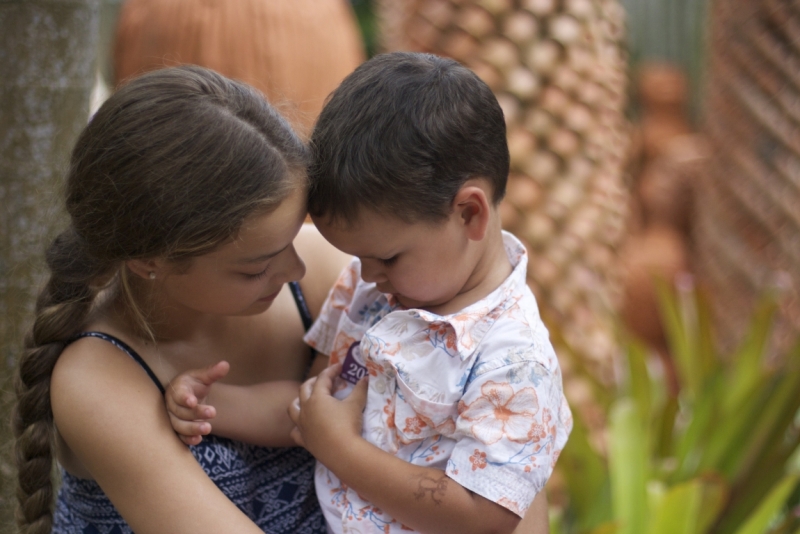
(322, 421)
(185, 397)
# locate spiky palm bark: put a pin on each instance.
(748, 218)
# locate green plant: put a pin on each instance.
(717, 458)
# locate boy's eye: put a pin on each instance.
(389, 262)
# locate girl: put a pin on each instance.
(185, 194)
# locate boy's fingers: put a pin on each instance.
(191, 440)
(297, 437)
(307, 387)
(180, 393)
(190, 413)
(324, 382)
(190, 428)
(332, 372)
(204, 411)
(294, 410)
(359, 394)
(212, 373)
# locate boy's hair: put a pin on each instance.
(401, 135)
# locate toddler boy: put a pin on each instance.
(465, 415)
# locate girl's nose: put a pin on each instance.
(295, 268)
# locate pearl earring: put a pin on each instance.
(152, 275)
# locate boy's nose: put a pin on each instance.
(371, 271)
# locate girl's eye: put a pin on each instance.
(256, 276)
(389, 262)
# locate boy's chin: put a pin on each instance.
(413, 304)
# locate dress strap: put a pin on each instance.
(124, 347)
(305, 315)
(302, 307)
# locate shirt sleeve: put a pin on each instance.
(322, 334)
(513, 421)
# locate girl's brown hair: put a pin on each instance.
(169, 167)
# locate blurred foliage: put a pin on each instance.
(717, 458)
(365, 15)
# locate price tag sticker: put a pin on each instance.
(353, 370)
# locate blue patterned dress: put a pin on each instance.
(274, 487)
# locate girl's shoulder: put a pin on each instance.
(94, 376)
(111, 416)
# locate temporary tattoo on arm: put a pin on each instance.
(435, 488)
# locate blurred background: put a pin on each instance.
(655, 181)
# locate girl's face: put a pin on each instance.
(244, 276)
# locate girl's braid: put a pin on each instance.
(61, 311)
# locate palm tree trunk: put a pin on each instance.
(747, 229)
(47, 60)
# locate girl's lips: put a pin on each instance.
(269, 298)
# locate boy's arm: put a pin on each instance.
(255, 414)
(422, 498)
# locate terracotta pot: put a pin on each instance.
(295, 51)
(659, 252)
(664, 187)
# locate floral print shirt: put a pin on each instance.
(477, 393)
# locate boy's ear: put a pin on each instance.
(143, 268)
(472, 207)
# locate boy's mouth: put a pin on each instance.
(385, 288)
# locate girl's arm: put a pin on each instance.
(422, 498)
(112, 418)
(254, 414)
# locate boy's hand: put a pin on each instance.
(185, 396)
(320, 419)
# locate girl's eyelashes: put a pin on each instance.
(389, 262)
(256, 276)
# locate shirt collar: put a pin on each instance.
(474, 321)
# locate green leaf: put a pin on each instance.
(732, 433)
(716, 492)
(747, 363)
(664, 427)
(703, 423)
(777, 416)
(708, 359)
(586, 477)
(639, 379)
(606, 528)
(769, 455)
(679, 510)
(759, 521)
(628, 467)
(678, 338)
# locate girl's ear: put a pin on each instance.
(147, 269)
(471, 206)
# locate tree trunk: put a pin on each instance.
(747, 229)
(47, 60)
